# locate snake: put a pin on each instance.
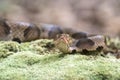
(65, 39)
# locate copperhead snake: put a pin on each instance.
(68, 40)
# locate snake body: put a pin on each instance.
(92, 43)
(74, 40)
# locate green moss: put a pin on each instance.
(29, 66)
(8, 48)
(114, 43)
(43, 46)
(27, 62)
(39, 46)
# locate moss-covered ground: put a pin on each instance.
(37, 60)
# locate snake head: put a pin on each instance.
(63, 43)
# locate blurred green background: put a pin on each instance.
(93, 16)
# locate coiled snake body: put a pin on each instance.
(68, 41)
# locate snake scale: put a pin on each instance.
(67, 40)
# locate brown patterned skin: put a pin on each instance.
(67, 44)
(4, 30)
(23, 31)
(27, 31)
